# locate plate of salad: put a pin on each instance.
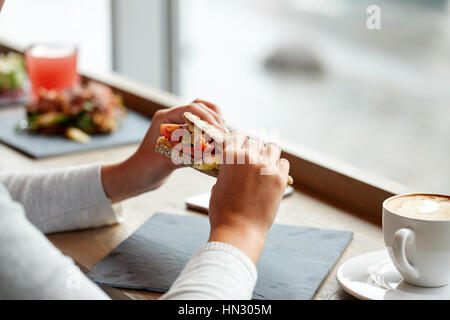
(76, 113)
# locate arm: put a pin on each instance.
(31, 267)
(217, 271)
(224, 268)
(61, 200)
(81, 197)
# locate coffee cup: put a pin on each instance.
(416, 231)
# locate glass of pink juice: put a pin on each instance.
(51, 66)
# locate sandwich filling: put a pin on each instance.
(199, 148)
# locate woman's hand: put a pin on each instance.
(246, 197)
(146, 170)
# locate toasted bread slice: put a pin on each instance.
(215, 133)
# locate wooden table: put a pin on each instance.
(88, 247)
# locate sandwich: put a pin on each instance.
(195, 149)
(193, 144)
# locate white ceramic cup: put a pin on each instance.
(419, 249)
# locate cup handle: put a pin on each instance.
(401, 238)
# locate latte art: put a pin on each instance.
(427, 207)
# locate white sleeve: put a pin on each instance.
(30, 266)
(64, 199)
(217, 271)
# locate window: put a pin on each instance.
(379, 100)
(376, 99)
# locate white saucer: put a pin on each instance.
(372, 276)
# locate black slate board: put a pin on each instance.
(132, 130)
(293, 263)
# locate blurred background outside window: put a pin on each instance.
(86, 23)
(376, 99)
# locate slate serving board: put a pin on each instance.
(293, 263)
(16, 98)
(132, 130)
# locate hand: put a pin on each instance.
(146, 170)
(244, 202)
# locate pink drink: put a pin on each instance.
(51, 67)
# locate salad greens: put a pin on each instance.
(82, 120)
(12, 71)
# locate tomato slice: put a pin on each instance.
(166, 130)
(201, 144)
(210, 148)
